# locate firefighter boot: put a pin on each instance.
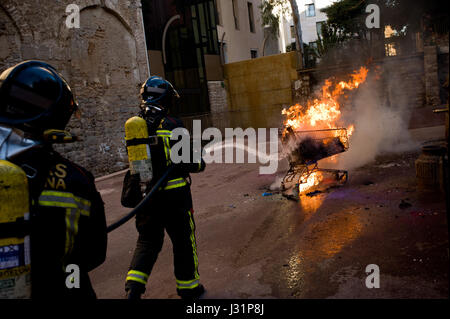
(134, 290)
(191, 294)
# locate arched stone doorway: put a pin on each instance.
(10, 41)
(104, 74)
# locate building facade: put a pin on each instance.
(311, 19)
(241, 35)
(183, 47)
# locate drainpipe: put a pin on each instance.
(264, 44)
(222, 56)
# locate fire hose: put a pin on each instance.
(142, 203)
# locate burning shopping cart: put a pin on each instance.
(312, 133)
(305, 149)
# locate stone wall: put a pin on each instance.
(431, 75)
(219, 104)
(403, 80)
(400, 79)
(104, 61)
(412, 82)
(443, 73)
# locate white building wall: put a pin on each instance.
(240, 42)
(309, 30)
(308, 24)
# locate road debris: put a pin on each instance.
(311, 194)
(404, 204)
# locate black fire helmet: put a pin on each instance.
(158, 92)
(34, 96)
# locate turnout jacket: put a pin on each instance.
(161, 160)
(68, 226)
(161, 154)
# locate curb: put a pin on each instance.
(102, 178)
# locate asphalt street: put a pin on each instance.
(254, 246)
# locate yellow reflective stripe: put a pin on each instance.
(167, 149)
(66, 200)
(191, 284)
(65, 194)
(75, 207)
(164, 133)
(186, 282)
(194, 245)
(138, 276)
(72, 219)
(68, 238)
(56, 204)
(175, 183)
(131, 277)
(199, 165)
(139, 273)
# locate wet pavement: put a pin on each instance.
(254, 246)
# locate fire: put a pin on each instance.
(323, 112)
(312, 180)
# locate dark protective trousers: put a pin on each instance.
(169, 210)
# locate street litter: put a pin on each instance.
(404, 205)
(311, 194)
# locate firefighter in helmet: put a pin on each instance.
(171, 207)
(67, 223)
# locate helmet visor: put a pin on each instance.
(27, 94)
(24, 105)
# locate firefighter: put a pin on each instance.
(67, 223)
(171, 208)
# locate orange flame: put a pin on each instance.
(312, 180)
(323, 112)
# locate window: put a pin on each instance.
(290, 47)
(251, 19)
(390, 49)
(204, 27)
(310, 10)
(319, 28)
(292, 32)
(313, 44)
(234, 3)
(253, 54)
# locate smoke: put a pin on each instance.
(276, 185)
(380, 127)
